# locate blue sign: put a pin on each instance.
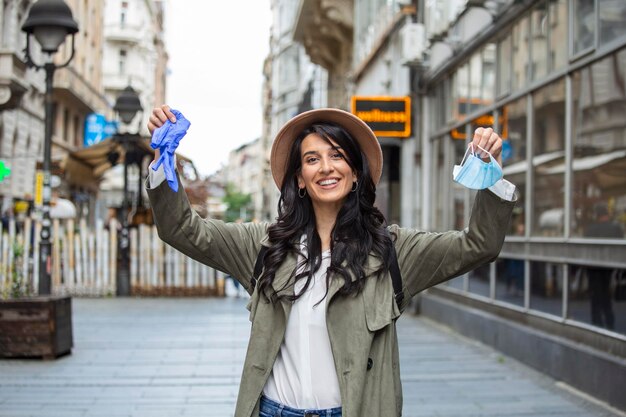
(98, 128)
(507, 150)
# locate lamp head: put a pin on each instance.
(50, 21)
(127, 105)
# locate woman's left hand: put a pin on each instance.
(490, 141)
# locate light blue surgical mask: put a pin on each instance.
(474, 173)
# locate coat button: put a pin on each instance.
(370, 363)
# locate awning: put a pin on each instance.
(522, 166)
(588, 162)
(86, 166)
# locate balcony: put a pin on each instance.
(76, 91)
(12, 80)
(129, 34)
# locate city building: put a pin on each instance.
(549, 75)
(293, 84)
(77, 93)
(135, 54)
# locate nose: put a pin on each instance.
(326, 165)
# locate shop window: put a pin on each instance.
(438, 185)
(488, 73)
(546, 287)
(520, 54)
(558, 33)
(548, 160)
(599, 139)
(512, 126)
(597, 296)
(453, 85)
(458, 191)
(475, 78)
(504, 66)
(584, 25)
(612, 20)
(510, 280)
(463, 101)
(539, 32)
(479, 280)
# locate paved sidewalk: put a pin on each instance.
(183, 357)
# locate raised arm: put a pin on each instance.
(428, 258)
(228, 247)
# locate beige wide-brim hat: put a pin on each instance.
(356, 127)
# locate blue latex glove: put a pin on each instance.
(167, 138)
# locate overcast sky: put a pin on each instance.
(216, 52)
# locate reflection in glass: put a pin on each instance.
(504, 67)
(584, 24)
(514, 165)
(546, 287)
(438, 184)
(489, 73)
(548, 159)
(599, 136)
(612, 16)
(510, 280)
(475, 80)
(479, 280)
(597, 296)
(458, 283)
(558, 33)
(520, 54)
(458, 191)
(539, 30)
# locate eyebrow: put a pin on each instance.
(332, 148)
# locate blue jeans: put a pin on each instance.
(271, 408)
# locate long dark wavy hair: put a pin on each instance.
(360, 228)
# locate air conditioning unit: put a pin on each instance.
(413, 37)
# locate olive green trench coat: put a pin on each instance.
(361, 328)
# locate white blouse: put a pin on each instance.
(304, 374)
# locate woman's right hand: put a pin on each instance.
(159, 116)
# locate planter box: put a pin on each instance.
(36, 327)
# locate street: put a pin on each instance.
(162, 357)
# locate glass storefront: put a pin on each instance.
(558, 98)
(599, 149)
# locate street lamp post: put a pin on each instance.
(127, 105)
(50, 21)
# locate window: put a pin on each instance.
(584, 25)
(539, 31)
(512, 126)
(548, 160)
(612, 20)
(597, 296)
(504, 66)
(510, 280)
(520, 57)
(488, 73)
(558, 33)
(122, 62)
(123, 12)
(546, 287)
(599, 142)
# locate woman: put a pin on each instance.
(323, 339)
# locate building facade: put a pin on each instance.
(77, 92)
(293, 84)
(135, 54)
(548, 75)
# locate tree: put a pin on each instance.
(238, 205)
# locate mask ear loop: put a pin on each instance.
(471, 145)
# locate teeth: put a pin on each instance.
(328, 182)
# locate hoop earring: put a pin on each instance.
(355, 186)
(300, 193)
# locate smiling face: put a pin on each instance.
(325, 173)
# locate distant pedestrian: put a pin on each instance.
(323, 311)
